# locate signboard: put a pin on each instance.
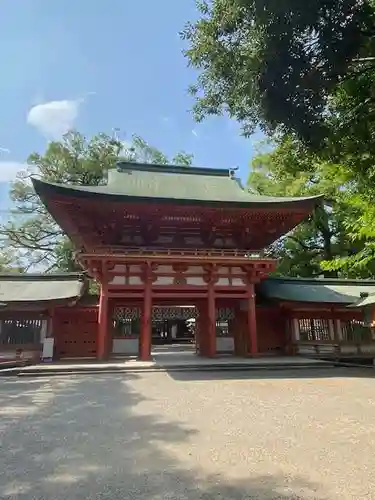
(47, 354)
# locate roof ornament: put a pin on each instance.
(232, 172)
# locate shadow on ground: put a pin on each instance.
(81, 438)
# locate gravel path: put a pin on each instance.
(297, 435)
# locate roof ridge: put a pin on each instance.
(41, 276)
(127, 166)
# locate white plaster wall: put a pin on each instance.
(197, 281)
(222, 282)
(125, 346)
(135, 280)
(224, 344)
(118, 280)
(164, 280)
(43, 330)
(238, 282)
(119, 268)
(194, 270)
(224, 270)
(164, 269)
(237, 270)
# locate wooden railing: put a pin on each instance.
(177, 252)
(329, 349)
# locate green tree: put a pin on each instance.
(277, 63)
(9, 264)
(359, 223)
(288, 171)
(31, 234)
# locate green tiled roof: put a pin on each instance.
(173, 183)
(332, 291)
(365, 301)
(16, 288)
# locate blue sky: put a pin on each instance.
(96, 66)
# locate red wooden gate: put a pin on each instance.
(75, 332)
(271, 329)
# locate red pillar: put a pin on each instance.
(102, 336)
(146, 326)
(110, 327)
(202, 330)
(211, 321)
(252, 343)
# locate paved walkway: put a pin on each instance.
(163, 436)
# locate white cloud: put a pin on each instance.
(54, 118)
(10, 169)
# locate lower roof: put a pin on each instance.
(319, 290)
(37, 288)
(31, 288)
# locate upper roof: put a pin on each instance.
(21, 288)
(333, 291)
(170, 183)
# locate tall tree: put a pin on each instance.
(359, 223)
(31, 233)
(288, 171)
(276, 63)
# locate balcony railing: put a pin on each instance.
(177, 252)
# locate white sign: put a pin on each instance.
(47, 354)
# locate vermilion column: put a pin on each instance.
(102, 336)
(202, 330)
(110, 327)
(211, 321)
(252, 343)
(145, 334)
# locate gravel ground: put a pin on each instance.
(281, 435)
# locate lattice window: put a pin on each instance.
(224, 313)
(222, 328)
(314, 329)
(20, 332)
(127, 313)
(125, 327)
(355, 331)
(161, 313)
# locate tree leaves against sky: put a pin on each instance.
(31, 235)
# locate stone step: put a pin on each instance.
(42, 371)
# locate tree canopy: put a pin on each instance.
(338, 239)
(278, 63)
(320, 238)
(31, 235)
